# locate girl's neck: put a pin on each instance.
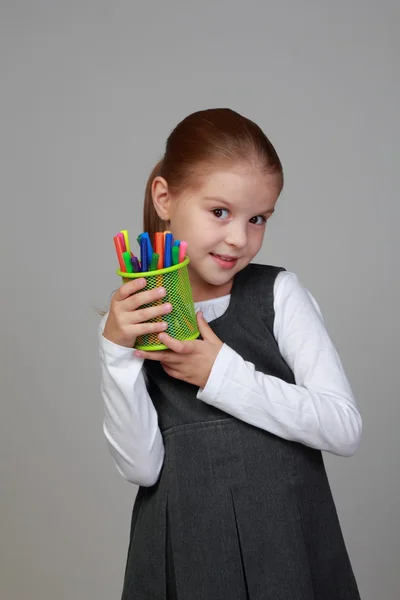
(210, 292)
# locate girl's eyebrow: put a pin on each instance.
(223, 201)
(217, 199)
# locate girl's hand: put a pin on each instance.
(126, 320)
(192, 360)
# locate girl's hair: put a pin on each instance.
(201, 142)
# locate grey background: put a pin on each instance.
(89, 93)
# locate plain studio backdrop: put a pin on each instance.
(89, 93)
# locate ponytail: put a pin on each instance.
(151, 221)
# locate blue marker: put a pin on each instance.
(143, 254)
(149, 247)
(176, 243)
(168, 251)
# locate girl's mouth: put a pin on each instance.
(225, 262)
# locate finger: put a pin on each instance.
(132, 297)
(144, 298)
(170, 371)
(145, 314)
(177, 346)
(205, 330)
(148, 328)
(160, 356)
(129, 288)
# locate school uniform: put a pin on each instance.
(237, 511)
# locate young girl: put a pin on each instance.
(224, 434)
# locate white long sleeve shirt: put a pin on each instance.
(319, 410)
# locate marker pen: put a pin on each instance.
(159, 248)
(127, 259)
(154, 262)
(126, 239)
(168, 250)
(175, 255)
(143, 254)
(122, 239)
(182, 251)
(119, 250)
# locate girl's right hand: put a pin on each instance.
(126, 320)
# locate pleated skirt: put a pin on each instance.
(237, 514)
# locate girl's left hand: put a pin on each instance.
(191, 360)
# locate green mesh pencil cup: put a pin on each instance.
(182, 323)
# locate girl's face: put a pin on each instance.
(224, 218)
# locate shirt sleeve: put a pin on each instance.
(319, 410)
(130, 418)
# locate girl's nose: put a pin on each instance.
(237, 236)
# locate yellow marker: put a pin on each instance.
(125, 234)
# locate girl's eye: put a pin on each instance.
(219, 210)
(263, 219)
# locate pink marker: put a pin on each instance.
(122, 238)
(182, 251)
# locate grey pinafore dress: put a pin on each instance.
(237, 513)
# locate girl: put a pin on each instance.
(224, 434)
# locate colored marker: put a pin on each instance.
(135, 264)
(168, 249)
(175, 255)
(149, 246)
(122, 238)
(159, 248)
(165, 235)
(182, 251)
(143, 254)
(127, 260)
(176, 243)
(119, 250)
(154, 262)
(126, 239)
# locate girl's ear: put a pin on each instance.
(161, 198)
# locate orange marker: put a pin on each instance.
(159, 248)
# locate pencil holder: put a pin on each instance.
(182, 324)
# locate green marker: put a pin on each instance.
(175, 255)
(154, 262)
(127, 260)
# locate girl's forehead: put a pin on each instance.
(238, 185)
(236, 177)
